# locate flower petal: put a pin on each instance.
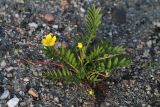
(54, 38)
(52, 42)
(80, 45)
(49, 36)
(44, 42)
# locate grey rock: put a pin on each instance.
(5, 95)
(3, 63)
(9, 69)
(55, 26)
(13, 102)
(149, 43)
(35, 73)
(19, 1)
(119, 15)
(33, 25)
(23, 104)
(56, 99)
(9, 75)
(148, 87)
(26, 79)
(146, 53)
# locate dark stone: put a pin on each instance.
(118, 15)
(1, 90)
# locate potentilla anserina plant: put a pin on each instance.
(86, 61)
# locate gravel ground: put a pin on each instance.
(135, 24)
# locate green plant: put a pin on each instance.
(88, 61)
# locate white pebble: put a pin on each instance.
(82, 10)
(56, 99)
(3, 64)
(13, 102)
(26, 79)
(4, 95)
(9, 69)
(33, 25)
(55, 26)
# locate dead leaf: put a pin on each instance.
(48, 17)
(64, 4)
(33, 92)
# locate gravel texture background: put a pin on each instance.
(135, 24)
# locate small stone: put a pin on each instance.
(1, 90)
(156, 24)
(146, 53)
(3, 64)
(156, 92)
(21, 93)
(148, 88)
(9, 75)
(59, 83)
(33, 25)
(35, 73)
(56, 99)
(26, 79)
(82, 10)
(13, 102)
(149, 43)
(55, 26)
(143, 105)
(5, 95)
(33, 92)
(9, 69)
(107, 104)
(23, 104)
(16, 15)
(59, 105)
(119, 15)
(19, 1)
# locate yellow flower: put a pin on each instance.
(80, 45)
(91, 92)
(49, 40)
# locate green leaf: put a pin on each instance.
(122, 62)
(68, 54)
(109, 64)
(115, 62)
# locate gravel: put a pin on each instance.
(135, 24)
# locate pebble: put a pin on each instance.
(35, 73)
(9, 75)
(33, 25)
(143, 105)
(55, 26)
(5, 95)
(19, 1)
(56, 99)
(146, 53)
(156, 24)
(82, 10)
(17, 15)
(148, 88)
(13, 102)
(9, 69)
(33, 92)
(149, 43)
(26, 79)
(3, 63)
(23, 104)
